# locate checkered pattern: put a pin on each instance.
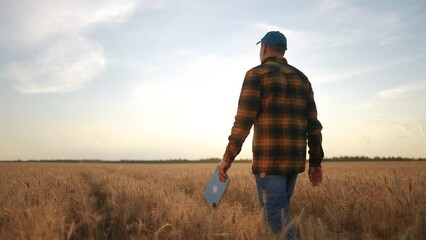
(278, 100)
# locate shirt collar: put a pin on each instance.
(275, 59)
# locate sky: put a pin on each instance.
(160, 79)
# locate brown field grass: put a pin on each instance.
(377, 200)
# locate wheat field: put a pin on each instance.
(374, 200)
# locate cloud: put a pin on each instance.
(302, 39)
(359, 22)
(422, 126)
(346, 35)
(52, 38)
(328, 5)
(292, 35)
(410, 128)
(350, 23)
(403, 128)
(338, 76)
(62, 67)
(27, 23)
(400, 90)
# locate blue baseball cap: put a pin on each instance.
(274, 39)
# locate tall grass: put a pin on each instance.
(378, 200)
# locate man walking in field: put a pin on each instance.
(278, 100)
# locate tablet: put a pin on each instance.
(216, 189)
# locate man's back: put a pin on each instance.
(278, 99)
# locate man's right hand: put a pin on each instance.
(315, 175)
(222, 168)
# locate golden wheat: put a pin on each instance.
(376, 200)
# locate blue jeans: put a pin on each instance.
(274, 193)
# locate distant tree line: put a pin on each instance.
(364, 158)
(212, 160)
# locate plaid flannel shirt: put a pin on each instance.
(279, 101)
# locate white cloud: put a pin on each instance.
(64, 66)
(338, 76)
(408, 127)
(403, 128)
(357, 22)
(295, 38)
(389, 41)
(309, 40)
(28, 23)
(400, 90)
(54, 35)
(422, 126)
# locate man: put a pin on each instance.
(278, 100)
